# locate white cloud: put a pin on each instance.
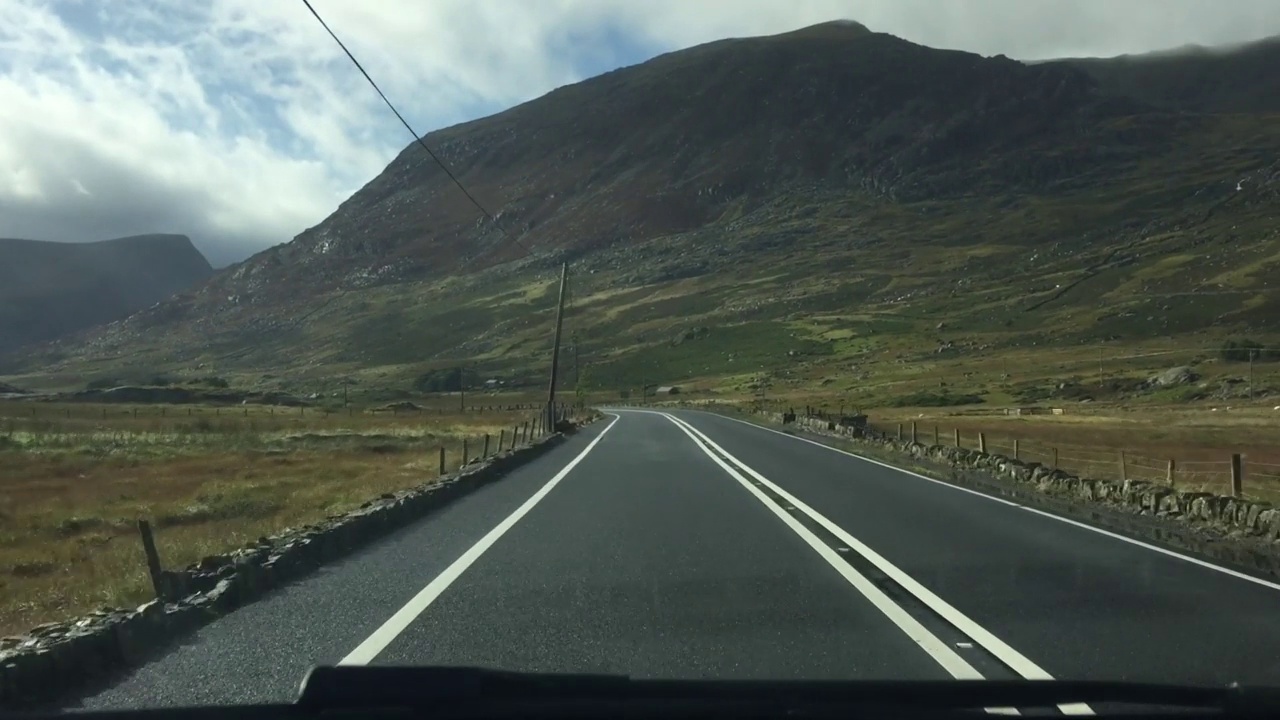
(239, 123)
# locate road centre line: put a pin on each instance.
(988, 641)
(396, 624)
(950, 661)
(1084, 526)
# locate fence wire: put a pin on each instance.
(1259, 480)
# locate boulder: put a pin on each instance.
(1181, 375)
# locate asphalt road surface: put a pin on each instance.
(689, 545)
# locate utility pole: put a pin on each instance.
(555, 346)
(1251, 374)
(577, 376)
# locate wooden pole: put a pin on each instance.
(1124, 468)
(1169, 472)
(935, 435)
(502, 437)
(1237, 475)
(913, 432)
(486, 446)
(465, 455)
(153, 559)
(899, 431)
(555, 343)
(1015, 448)
(442, 460)
(957, 432)
(982, 442)
(1055, 459)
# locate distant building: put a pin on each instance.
(667, 390)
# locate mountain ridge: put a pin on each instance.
(813, 184)
(49, 289)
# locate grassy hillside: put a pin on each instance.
(825, 295)
(994, 232)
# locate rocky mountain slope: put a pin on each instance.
(677, 142)
(50, 289)
(774, 204)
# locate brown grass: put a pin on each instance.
(73, 486)
(1198, 440)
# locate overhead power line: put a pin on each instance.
(415, 135)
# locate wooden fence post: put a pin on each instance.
(957, 432)
(913, 432)
(1124, 469)
(153, 559)
(982, 442)
(515, 435)
(502, 438)
(465, 455)
(1237, 475)
(1015, 448)
(1169, 472)
(442, 460)
(935, 435)
(899, 431)
(486, 446)
(1055, 459)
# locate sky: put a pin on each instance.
(240, 123)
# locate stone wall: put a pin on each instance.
(1231, 530)
(56, 660)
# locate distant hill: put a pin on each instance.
(1238, 79)
(50, 289)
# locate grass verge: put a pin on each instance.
(73, 488)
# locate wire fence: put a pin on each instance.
(1233, 475)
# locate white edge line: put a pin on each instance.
(366, 651)
(1016, 661)
(1044, 513)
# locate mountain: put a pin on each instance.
(1237, 79)
(781, 205)
(49, 289)
(675, 143)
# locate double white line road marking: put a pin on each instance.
(940, 651)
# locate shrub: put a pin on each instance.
(934, 399)
(1241, 350)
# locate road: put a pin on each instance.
(690, 545)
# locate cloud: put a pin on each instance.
(239, 123)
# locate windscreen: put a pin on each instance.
(830, 339)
